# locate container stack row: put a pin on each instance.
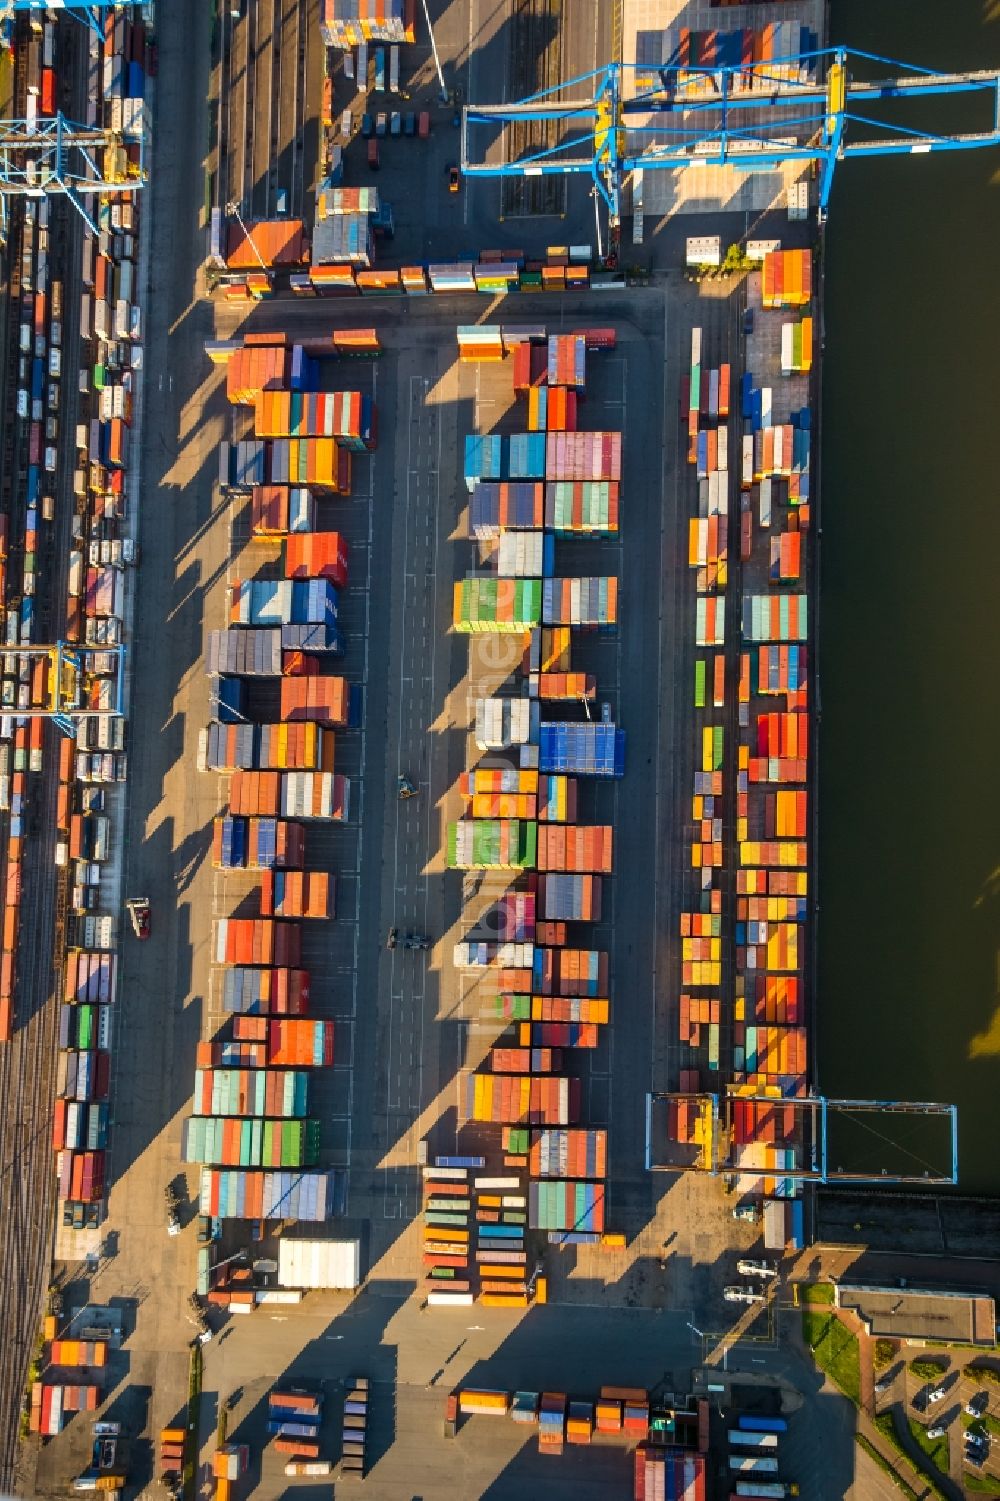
(72, 1380)
(705, 410)
(447, 1249)
(354, 1432)
(80, 1120)
(560, 1419)
(170, 1455)
(764, 55)
(280, 711)
(749, 1031)
(294, 1421)
(540, 976)
(770, 950)
(474, 1235)
(563, 269)
(662, 1475)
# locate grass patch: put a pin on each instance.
(985, 1423)
(936, 1449)
(883, 1422)
(835, 1351)
(887, 1427)
(816, 1292)
(884, 1465)
(928, 1369)
(190, 1472)
(885, 1350)
(986, 1485)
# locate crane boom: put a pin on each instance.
(799, 108)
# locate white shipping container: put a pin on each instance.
(319, 1263)
(787, 357)
(746, 476)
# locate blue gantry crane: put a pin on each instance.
(69, 671)
(83, 10)
(812, 107)
(53, 154)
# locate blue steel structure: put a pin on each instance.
(814, 1112)
(752, 118)
(83, 10)
(51, 154)
(55, 155)
(68, 671)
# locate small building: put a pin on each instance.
(305, 1263)
(954, 1316)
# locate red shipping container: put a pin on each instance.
(323, 699)
(47, 101)
(310, 555)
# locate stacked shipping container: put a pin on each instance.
(764, 948)
(250, 1127)
(550, 996)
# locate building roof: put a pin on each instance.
(956, 1316)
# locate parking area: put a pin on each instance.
(948, 1401)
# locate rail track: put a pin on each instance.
(263, 107)
(534, 62)
(28, 1063)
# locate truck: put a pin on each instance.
(753, 1464)
(766, 1490)
(747, 1267)
(740, 1437)
(751, 1422)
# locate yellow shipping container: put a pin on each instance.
(445, 1232)
(473, 1400)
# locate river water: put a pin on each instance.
(909, 854)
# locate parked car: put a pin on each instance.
(937, 1395)
(936, 1432)
(977, 1404)
(454, 179)
(976, 1451)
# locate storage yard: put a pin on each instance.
(430, 858)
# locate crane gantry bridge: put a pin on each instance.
(817, 108)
